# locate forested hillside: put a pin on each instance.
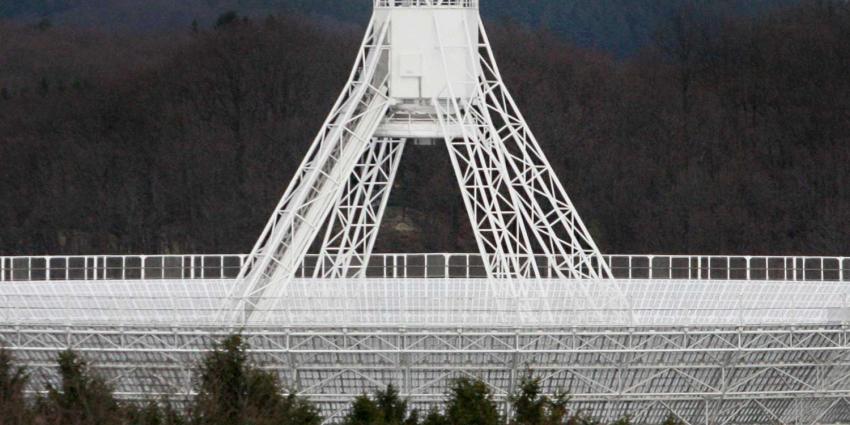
(621, 27)
(720, 136)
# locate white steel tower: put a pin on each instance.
(425, 70)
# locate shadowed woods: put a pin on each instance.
(722, 135)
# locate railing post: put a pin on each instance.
(650, 257)
(749, 268)
(793, 268)
(670, 267)
(699, 268)
(840, 269)
(142, 262)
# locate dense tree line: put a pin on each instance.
(231, 390)
(725, 135)
(618, 26)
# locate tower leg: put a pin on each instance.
(563, 233)
(354, 225)
(318, 183)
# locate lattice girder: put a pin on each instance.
(701, 375)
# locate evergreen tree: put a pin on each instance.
(385, 408)
(82, 398)
(233, 392)
(13, 379)
(672, 420)
(581, 418)
(471, 403)
(393, 408)
(152, 414)
(528, 406)
(364, 411)
(434, 417)
(532, 408)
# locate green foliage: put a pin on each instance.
(471, 403)
(434, 417)
(81, 398)
(393, 408)
(625, 420)
(582, 418)
(231, 391)
(532, 408)
(153, 413)
(364, 411)
(14, 409)
(673, 420)
(384, 408)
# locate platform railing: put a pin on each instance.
(426, 3)
(699, 267)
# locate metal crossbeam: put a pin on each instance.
(717, 375)
(319, 182)
(354, 225)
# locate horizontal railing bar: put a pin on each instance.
(422, 265)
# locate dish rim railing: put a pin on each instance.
(419, 265)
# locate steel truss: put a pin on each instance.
(517, 206)
(532, 244)
(344, 138)
(354, 225)
(742, 375)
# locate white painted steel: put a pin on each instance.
(428, 302)
(319, 182)
(417, 56)
(381, 4)
(426, 62)
(354, 225)
(459, 265)
(711, 376)
(708, 339)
